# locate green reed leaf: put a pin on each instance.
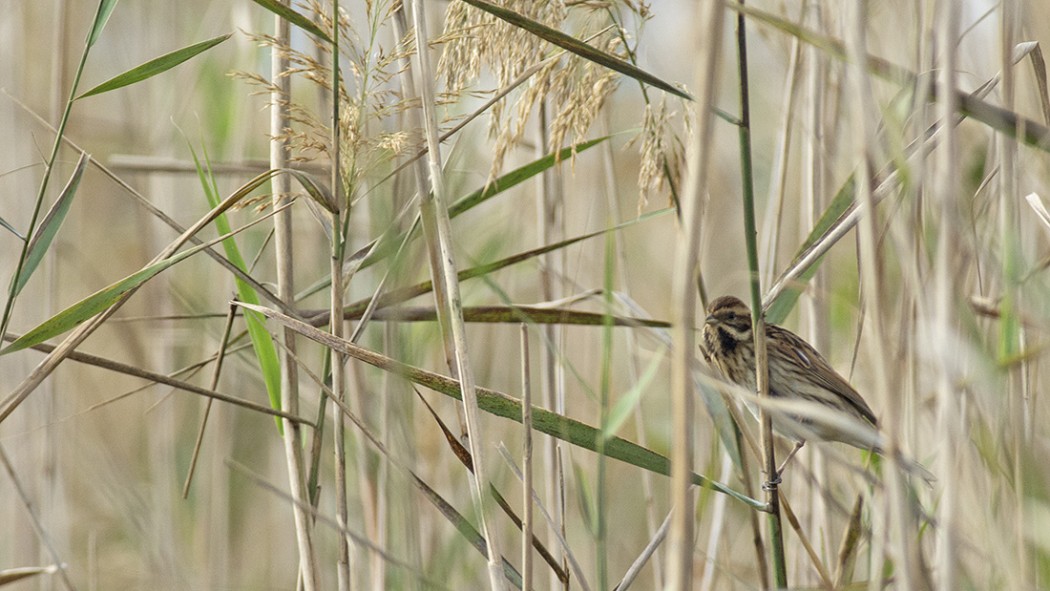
(48, 228)
(155, 66)
(497, 403)
(289, 14)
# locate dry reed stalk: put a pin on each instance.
(814, 172)
(774, 215)
(549, 212)
(283, 241)
(942, 304)
(683, 294)
(866, 149)
(526, 462)
(437, 230)
(1012, 335)
(336, 292)
(633, 369)
(38, 525)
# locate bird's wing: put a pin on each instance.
(805, 356)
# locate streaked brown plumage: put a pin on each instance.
(796, 372)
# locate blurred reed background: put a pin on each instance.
(935, 306)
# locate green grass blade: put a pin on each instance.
(574, 45)
(518, 314)
(105, 8)
(785, 301)
(388, 241)
(315, 190)
(155, 66)
(106, 297)
(399, 295)
(518, 176)
(623, 408)
(48, 228)
(265, 350)
(97, 302)
(499, 404)
(287, 13)
(11, 229)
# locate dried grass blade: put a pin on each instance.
(1039, 69)
(1036, 203)
(463, 455)
(814, 558)
(437, 231)
(461, 452)
(358, 539)
(516, 315)
(465, 528)
(220, 356)
(647, 553)
(10, 575)
(998, 118)
(157, 378)
(555, 528)
(848, 548)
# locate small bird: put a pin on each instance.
(796, 372)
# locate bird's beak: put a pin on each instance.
(710, 319)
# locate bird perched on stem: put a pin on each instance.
(797, 372)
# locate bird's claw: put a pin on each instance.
(771, 484)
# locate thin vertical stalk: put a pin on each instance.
(776, 536)
(42, 191)
(653, 521)
(813, 183)
(220, 357)
(781, 159)
(339, 384)
(719, 516)
(684, 298)
(946, 183)
(896, 515)
(38, 526)
(601, 527)
(548, 209)
(45, 367)
(49, 477)
(1011, 332)
(292, 436)
(412, 121)
(339, 378)
(526, 462)
(437, 230)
